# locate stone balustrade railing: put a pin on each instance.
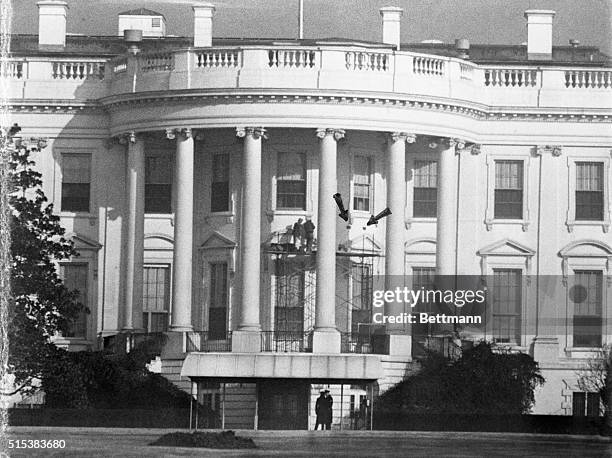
(333, 67)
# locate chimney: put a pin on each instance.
(391, 17)
(462, 45)
(52, 22)
(202, 24)
(539, 34)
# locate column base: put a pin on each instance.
(400, 345)
(327, 341)
(246, 341)
(546, 349)
(174, 346)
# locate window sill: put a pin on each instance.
(77, 215)
(517, 222)
(584, 352)
(605, 224)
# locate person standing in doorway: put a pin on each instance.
(329, 410)
(321, 411)
(309, 228)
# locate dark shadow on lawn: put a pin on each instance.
(225, 439)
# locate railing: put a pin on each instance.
(291, 58)
(204, 342)
(466, 71)
(361, 60)
(442, 345)
(594, 79)
(217, 59)
(280, 341)
(152, 62)
(149, 343)
(78, 70)
(13, 69)
(510, 77)
(427, 66)
(119, 65)
(364, 343)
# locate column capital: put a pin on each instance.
(402, 136)
(170, 134)
(554, 150)
(475, 149)
(338, 134)
(127, 137)
(255, 132)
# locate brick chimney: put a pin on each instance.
(539, 34)
(202, 24)
(391, 17)
(52, 22)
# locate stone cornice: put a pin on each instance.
(462, 108)
(474, 111)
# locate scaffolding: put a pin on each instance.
(292, 290)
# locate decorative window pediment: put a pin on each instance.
(218, 247)
(82, 243)
(594, 251)
(509, 250)
(218, 241)
(361, 244)
(421, 246)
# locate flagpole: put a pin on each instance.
(301, 19)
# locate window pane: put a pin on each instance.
(423, 277)
(219, 196)
(291, 181)
(361, 183)
(156, 289)
(158, 184)
(508, 190)
(586, 294)
(425, 199)
(76, 175)
(75, 278)
(592, 405)
(578, 404)
(589, 191)
(75, 197)
(507, 299)
(289, 309)
(217, 311)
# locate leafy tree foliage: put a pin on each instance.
(482, 381)
(40, 304)
(596, 377)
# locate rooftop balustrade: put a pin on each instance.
(330, 69)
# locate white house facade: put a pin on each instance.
(180, 170)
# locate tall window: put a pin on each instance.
(425, 201)
(289, 310)
(586, 294)
(508, 189)
(158, 184)
(362, 280)
(217, 311)
(361, 183)
(75, 278)
(423, 277)
(507, 300)
(589, 191)
(291, 181)
(76, 179)
(219, 193)
(585, 404)
(155, 298)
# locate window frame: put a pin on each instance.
(210, 266)
(414, 169)
(271, 164)
(411, 159)
(571, 308)
(371, 175)
(154, 153)
(76, 152)
(230, 200)
(146, 326)
(571, 221)
(490, 220)
(305, 180)
(88, 298)
(519, 315)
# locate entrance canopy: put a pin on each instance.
(345, 367)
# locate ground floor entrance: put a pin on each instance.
(283, 404)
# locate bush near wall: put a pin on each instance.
(110, 418)
(537, 424)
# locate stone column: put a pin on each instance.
(446, 227)
(247, 337)
(326, 338)
(134, 249)
(183, 232)
(400, 342)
